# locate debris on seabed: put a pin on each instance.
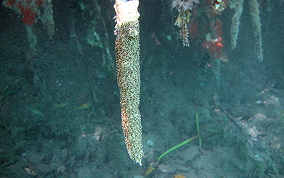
(30, 171)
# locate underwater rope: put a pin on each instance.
(128, 74)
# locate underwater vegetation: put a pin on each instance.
(154, 165)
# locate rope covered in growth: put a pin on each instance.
(128, 75)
